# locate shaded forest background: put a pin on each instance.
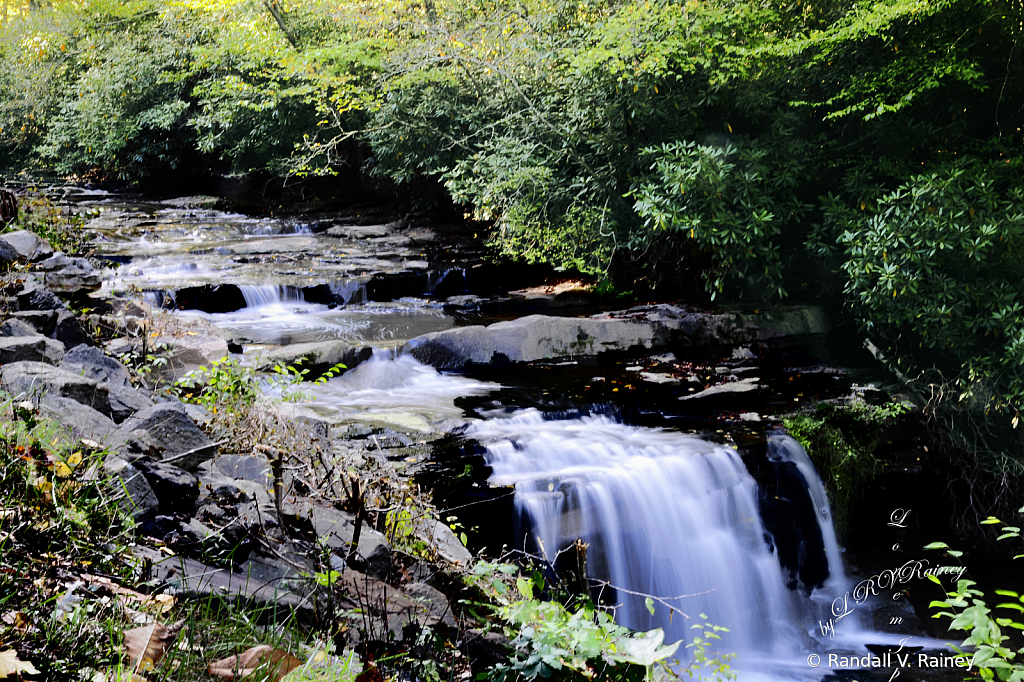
(867, 152)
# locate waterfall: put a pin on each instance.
(257, 296)
(665, 514)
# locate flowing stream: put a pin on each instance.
(664, 513)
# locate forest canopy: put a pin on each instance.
(767, 149)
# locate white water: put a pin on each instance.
(269, 294)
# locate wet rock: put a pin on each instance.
(68, 330)
(442, 541)
(35, 296)
(16, 327)
(176, 489)
(38, 379)
(164, 429)
(68, 275)
(34, 348)
(317, 356)
(26, 246)
(131, 490)
(82, 420)
(43, 321)
(337, 528)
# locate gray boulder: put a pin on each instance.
(26, 246)
(176, 489)
(67, 275)
(317, 355)
(338, 528)
(16, 327)
(436, 604)
(68, 330)
(166, 430)
(131, 490)
(81, 420)
(33, 379)
(7, 253)
(43, 321)
(35, 296)
(123, 400)
(442, 541)
(91, 363)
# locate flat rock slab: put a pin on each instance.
(729, 394)
(541, 337)
(364, 231)
(34, 379)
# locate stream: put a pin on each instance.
(666, 500)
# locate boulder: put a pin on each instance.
(337, 529)
(132, 491)
(442, 541)
(7, 253)
(123, 401)
(176, 489)
(35, 296)
(91, 363)
(68, 330)
(82, 420)
(39, 379)
(166, 430)
(317, 356)
(16, 327)
(68, 275)
(27, 246)
(43, 321)
(436, 604)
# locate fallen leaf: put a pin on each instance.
(145, 646)
(19, 621)
(11, 665)
(264, 658)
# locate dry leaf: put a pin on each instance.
(145, 646)
(19, 621)
(11, 665)
(264, 658)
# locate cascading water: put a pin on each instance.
(268, 294)
(665, 514)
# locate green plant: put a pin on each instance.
(226, 385)
(969, 612)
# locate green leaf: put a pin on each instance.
(649, 603)
(644, 648)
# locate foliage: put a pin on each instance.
(567, 641)
(968, 612)
(841, 441)
(63, 228)
(226, 385)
